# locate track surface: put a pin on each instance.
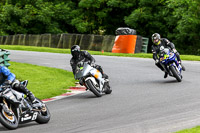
(142, 100)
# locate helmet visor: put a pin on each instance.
(155, 41)
(75, 54)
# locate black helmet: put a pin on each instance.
(75, 50)
(156, 38)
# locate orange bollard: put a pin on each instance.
(124, 44)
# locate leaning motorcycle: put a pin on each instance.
(170, 63)
(92, 79)
(16, 109)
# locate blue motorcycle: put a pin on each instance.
(169, 62)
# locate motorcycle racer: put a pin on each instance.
(157, 43)
(8, 78)
(78, 55)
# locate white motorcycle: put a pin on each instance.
(92, 79)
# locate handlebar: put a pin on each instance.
(81, 63)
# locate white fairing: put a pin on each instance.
(81, 73)
(101, 80)
(87, 69)
(93, 80)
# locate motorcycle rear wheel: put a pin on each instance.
(92, 88)
(43, 116)
(10, 122)
(175, 73)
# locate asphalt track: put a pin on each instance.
(142, 100)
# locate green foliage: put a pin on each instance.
(148, 18)
(34, 17)
(187, 15)
(178, 20)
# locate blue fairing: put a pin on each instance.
(5, 71)
(171, 57)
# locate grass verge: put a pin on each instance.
(44, 82)
(192, 130)
(67, 51)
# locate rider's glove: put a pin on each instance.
(80, 64)
(7, 82)
(174, 50)
(156, 61)
(92, 64)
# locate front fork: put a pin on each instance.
(166, 69)
(6, 109)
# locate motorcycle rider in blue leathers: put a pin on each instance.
(8, 78)
(157, 43)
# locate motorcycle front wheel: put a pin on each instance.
(92, 88)
(175, 73)
(8, 121)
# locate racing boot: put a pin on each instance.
(183, 68)
(31, 97)
(33, 100)
(105, 76)
(28, 93)
(166, 74)
(107, 88)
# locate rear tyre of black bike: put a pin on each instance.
(43, 115)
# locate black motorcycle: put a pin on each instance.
(16, 109)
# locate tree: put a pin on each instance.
(35, 17)
(101, 16)
(148, 18)
(187, 15)
(176, 20)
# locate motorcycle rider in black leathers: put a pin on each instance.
(157, 43)
(78, 55)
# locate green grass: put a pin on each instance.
(192, 130)
(67, 51)
(44, 82)
(33, 48)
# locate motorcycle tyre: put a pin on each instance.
(175, 74)
(42, 119)
(6, 123)
(92, 88)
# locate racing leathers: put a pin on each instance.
(167, 44)
(83, 56)
(86, 57)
